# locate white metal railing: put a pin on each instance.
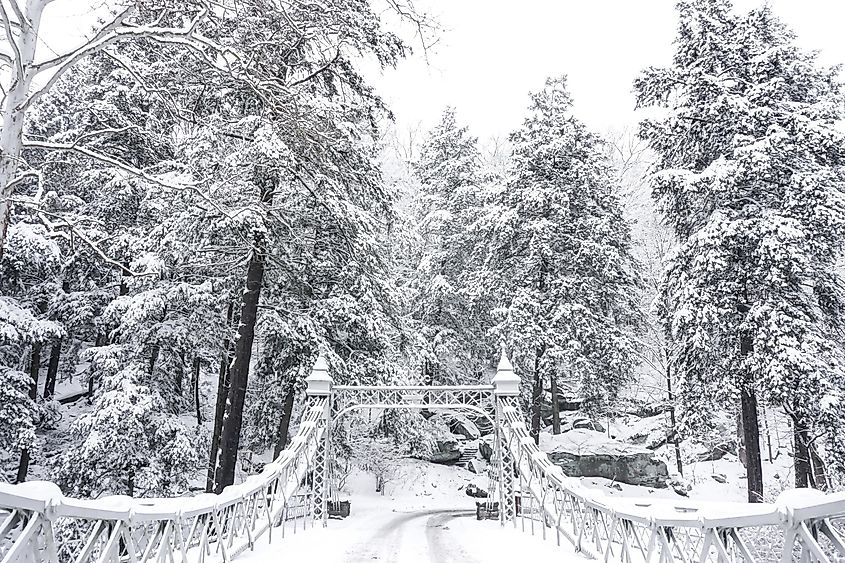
(802, 525)
(39, 524)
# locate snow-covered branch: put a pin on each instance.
(116, 32)
(7, 26)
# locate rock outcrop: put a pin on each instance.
(448, 451)
(486, 446)
(586, 453)
(458, 424)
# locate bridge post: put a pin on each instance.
(505, 385)
(319, 386)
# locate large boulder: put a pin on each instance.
(586, 453)
(486, 446)
(448, 451)
(651, 432)
(715, 450)
(458, 424)
(584, 423)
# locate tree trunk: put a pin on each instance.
(13, 110)
(537, 396)
(125, 274)
(220, 402)
(284, 422)
(555, 405)
(230, 435)
(818, 472)
(801, 454)
(55, 356)
(196, 385)
(34, 368)
(751, 432)
(23, 466)
(52, 369)
(156, 351)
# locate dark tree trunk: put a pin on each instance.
(154, 358)
(537, 396)
(751, 432)
(156, 351)
(125, 274)
(53, 369)
(748, 409)
(23, 466)
(818, 472)
(220, 402)
(55, 356)
(195, 382)
(555, 405)
(34, 368)
(284, 422)
(101, 341)
(230, 434)
(801, 454)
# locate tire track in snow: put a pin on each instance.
(402, 538)
(442, 546)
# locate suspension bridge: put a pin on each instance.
(296, 491)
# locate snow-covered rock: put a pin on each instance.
(715, 451)
(486, 446)
(448, 450)
(459, 424)
(680, 485)
(587, 424)
(650, 432)
(586, 453)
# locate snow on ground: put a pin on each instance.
(425, 515)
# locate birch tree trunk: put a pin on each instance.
(11, 133)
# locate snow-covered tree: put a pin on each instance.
(27, 279)
(127, 444)
(20, 331)
(451, 329)
(558, 257)
(750, 177)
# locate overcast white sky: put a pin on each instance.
(493, 52)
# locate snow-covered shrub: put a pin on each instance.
(18, 415)
(126, 445)
(413, 434)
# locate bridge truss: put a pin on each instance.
(39, 524)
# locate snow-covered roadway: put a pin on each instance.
(442, 535)
(427, 518)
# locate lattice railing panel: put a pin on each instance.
(39, 524)
(800, 528)
(470, 397)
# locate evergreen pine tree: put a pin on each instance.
(451, 329)
(750, 176)
(558, 258)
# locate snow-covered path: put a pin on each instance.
(441, 535)
(427, 517)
